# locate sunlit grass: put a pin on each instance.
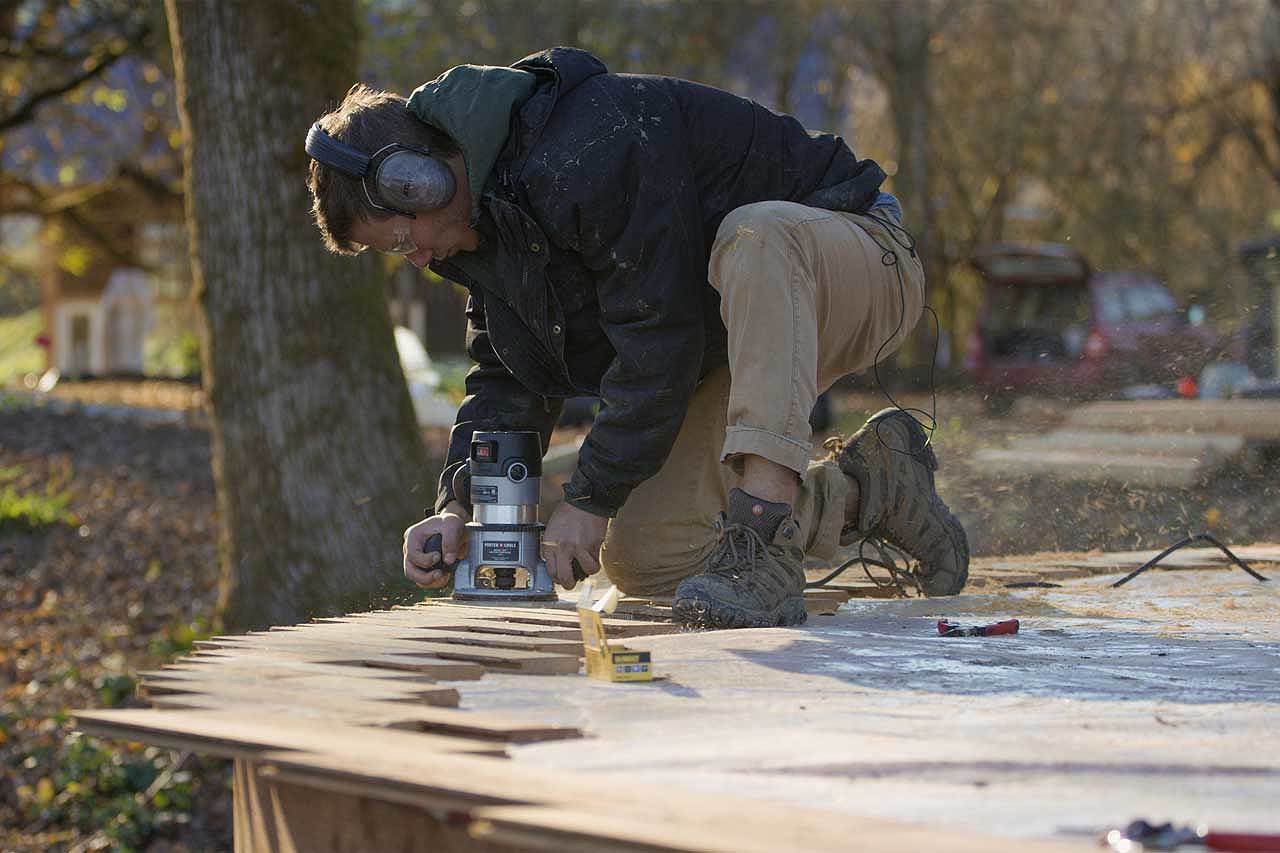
(19, 352)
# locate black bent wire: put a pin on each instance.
(1202, 537)
(889, 258)
(885, 562)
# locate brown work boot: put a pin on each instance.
(755, 576)
(892, 463)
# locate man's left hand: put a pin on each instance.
(572, 534)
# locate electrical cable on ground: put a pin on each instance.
(886, 562)
(1202, 537)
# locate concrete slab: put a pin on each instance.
(1158, 700)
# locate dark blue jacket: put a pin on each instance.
(596, 230)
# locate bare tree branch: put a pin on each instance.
(26, 110)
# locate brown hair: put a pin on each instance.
(367, 119)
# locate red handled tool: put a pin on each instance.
(1166, 836)
(950, 629)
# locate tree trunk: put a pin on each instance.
(909, 94)
(316, 456)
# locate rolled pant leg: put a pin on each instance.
(807, 297)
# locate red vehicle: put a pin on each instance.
(1051, 325)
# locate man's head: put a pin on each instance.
(368, 120)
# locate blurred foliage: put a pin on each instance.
(87, 120)
(1142, 133)
(27, 511)
(124, 796)
(180, 638)
(19, 352)
(176, 354)
(86, 608)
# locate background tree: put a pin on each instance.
(86, 115)
(316, 456)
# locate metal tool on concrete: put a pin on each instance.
(1141, 835)
(503, 561)
(949, 629)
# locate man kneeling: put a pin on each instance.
(706, 268)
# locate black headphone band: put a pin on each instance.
(336, 155)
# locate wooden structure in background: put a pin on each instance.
(1156, 443)
(96, 298)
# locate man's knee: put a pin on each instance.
(758, 241)
(652, 560)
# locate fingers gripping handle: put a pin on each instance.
(435, 544)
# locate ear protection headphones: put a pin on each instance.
(406, 179)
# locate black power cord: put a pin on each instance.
(886, 562)
(928, 421)
(1202, 537)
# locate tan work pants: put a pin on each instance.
(807, 298)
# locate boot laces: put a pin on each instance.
(738, 545)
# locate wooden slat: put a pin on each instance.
(211, 681)
(1142, 470)
(663, 817)
(1253, 419)
(284, 669)
(1144, 443)
(444, 670)
(245, 731)
(509, 660)
(413, 633)
(510, 629)
(432, 720)
(617, 627)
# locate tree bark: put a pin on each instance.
(317, 459)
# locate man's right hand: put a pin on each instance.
(418, 564)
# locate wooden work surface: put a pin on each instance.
(469, 726)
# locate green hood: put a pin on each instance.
(473, 104)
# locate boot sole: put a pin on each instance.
(959, 542)
(694, 613)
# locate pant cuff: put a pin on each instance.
(787, 452)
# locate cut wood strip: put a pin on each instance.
(1135, 469)
(531, 663)
(865, 590)
(235, 734)
(456, 614)
(839, 596)
(444, 670)
(1253, 419)
(545, 617)
(824, 602)
(392, 715)
(1145, 443)
(509, 629)
(358, 704)
(214, 681)
(416, 634)
(258, 666)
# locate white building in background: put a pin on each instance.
(96, 337)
